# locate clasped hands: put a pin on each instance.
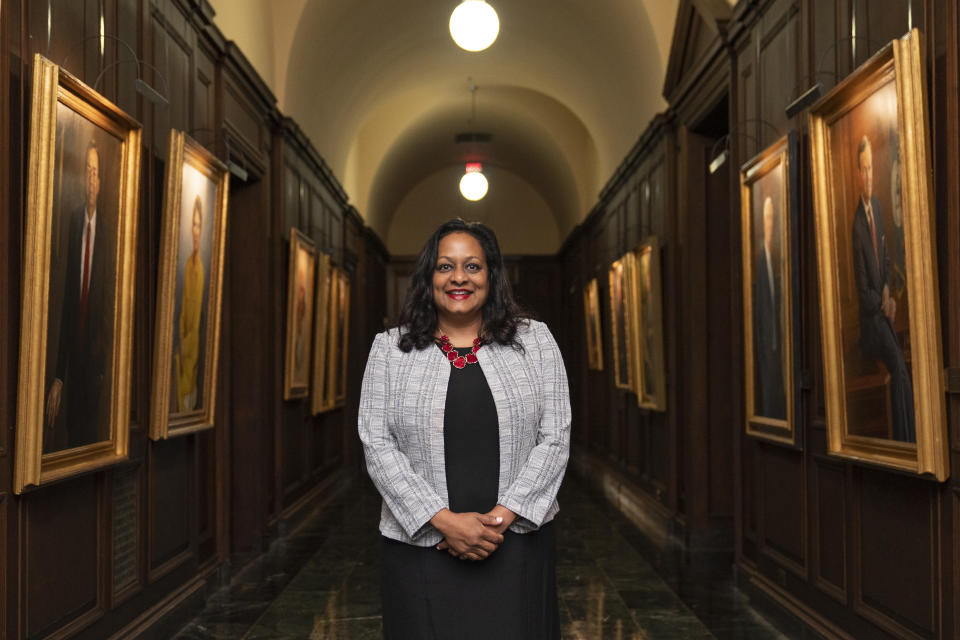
(472, 535)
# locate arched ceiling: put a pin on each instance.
(381, 90)
(521, 122)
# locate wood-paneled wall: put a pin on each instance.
(852, 550)
(110, 553)
(860, 551)
(610, 432)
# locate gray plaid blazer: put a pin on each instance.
(400, 423)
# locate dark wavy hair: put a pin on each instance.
(501, 313)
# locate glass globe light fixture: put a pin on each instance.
(474, 25)
(473, 184)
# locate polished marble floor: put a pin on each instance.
(322, 582)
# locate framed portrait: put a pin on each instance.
(883, 365)
(338, 337)
(623, 365)
(771, 321)
(647, 301)
(319, 399)
(73, 400)
(591, 310)
(189, 285)
(300, 290)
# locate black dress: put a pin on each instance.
(429, 594)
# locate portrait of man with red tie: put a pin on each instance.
(770, 396)
(873, 274)
(76, 404)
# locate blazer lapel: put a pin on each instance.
(491, 361)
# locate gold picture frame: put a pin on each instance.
(319, 400)
(883, 364)
(771, 320)
(189, 290)
(591, 312)
(620, 322)
(299, 330)
(73, 398)
(646, 298)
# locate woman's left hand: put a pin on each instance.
(507, 515)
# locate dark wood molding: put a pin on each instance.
(238, 64)
(316, 499)
(819, 463)
(294, 136)
(783, 599)
(683, 72)
(645, 512)
(702, 95)
(150, 619)
(375, 244)
(239, 82)
(650, 138)
(678, 44)
(714, 12)
(648, 143)
(352, 216)
(209, 35)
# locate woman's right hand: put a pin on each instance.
(467, 535)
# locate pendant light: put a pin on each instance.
(473, 184)
(474, 25)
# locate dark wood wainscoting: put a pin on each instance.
(853, 550)
(115, 551)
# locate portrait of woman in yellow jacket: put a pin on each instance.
(191, 312)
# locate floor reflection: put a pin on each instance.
(322, 582)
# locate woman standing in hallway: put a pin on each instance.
(465, 423)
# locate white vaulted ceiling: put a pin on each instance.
(381, 90)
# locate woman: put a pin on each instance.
(465, 423)
(191, 312)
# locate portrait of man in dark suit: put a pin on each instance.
(878, 309)
(77, 411)
(770, 397)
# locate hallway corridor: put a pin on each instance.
(322, 582)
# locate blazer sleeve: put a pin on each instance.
(408, 496)
(534, 490)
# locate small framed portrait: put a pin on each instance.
(319, 399)
(73, 401)
(300, 291)
(620, 322)
(879, 303)
(591, 311)
(647, 300)
(338, 335)
(190, 280)
(771, 322)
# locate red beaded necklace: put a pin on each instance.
(455, 358)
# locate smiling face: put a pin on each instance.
(459, 278)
